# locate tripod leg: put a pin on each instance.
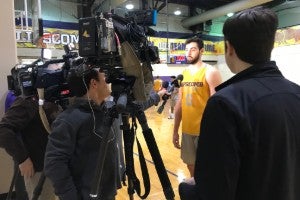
(130, 189)
(159, 165)
(128, 144)
(13, 181)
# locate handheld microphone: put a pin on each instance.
(176, 83)
(165, 97)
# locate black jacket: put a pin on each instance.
(72, 152)
(249, 147)
(23, 118)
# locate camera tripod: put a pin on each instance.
(135, 112)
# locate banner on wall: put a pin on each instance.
(175, 49)
(287, 36)
(52, 38)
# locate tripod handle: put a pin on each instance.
(121, 103)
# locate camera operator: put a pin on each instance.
(72, 150)
(23, 118)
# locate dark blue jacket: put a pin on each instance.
(249, 147)
(72, 152)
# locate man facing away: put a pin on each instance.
(199, 82)
(249, 147)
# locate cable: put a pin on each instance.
(93, 113)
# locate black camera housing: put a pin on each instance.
(25, 79)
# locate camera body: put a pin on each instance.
(103, 43)
(51, 75)
(101, 39)
(22, 79)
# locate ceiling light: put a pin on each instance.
(129, 5)
(177, 12)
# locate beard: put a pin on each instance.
(193, 60)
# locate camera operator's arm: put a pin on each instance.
(177, 120)
(154, 99)
(18, 116)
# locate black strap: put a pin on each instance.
(39, 187)
(130, 170)
(13, 182)
(144, 170)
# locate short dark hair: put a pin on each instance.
(252, 34)
(80, 83)
(197, 40)
(173, 77)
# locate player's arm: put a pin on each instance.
(213, 78)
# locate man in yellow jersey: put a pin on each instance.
(199, 82)
(157, 84)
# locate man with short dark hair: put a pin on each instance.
(249, 147)
(198, 84)
(77, 133)
(72, 150)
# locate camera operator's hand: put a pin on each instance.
(162, 92)
(26, 168)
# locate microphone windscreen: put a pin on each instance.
(180, 77)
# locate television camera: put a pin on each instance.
(119, 47)
(51, 75)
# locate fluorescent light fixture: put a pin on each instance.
(177, 12)
(230, 14)
(129, 5)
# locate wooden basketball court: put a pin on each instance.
(162, 128)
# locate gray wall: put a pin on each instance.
(8, 57)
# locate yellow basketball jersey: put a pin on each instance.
(195, 93)
(157, 85)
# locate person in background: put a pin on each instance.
(24, 137)
(9, 100)
(173, 96)
(198, 85)
(249, 147)
(157, 84)
(73, 147)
